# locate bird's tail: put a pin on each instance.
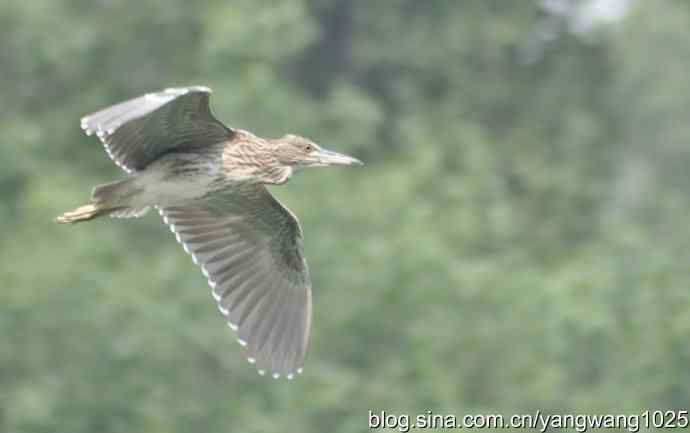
(109, 199)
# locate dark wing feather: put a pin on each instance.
(138, 131)
(250, 248)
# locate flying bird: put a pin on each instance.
(208, 182)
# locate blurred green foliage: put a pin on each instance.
(518, 239)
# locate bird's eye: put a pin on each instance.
(308, 148)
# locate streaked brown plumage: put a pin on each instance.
(207, 182)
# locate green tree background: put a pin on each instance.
(518, 239)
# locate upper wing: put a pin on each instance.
(138, 131)
(250, 248)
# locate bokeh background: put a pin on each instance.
(518, 240)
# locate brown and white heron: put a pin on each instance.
(208, 183)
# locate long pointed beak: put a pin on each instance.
(328, 157)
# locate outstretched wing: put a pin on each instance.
(250, 248)
(138, 131)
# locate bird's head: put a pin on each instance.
(299, 152)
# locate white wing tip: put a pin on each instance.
(290, 376)
(242, 342)
(177, 90)
(262, 372)
(223, 310)
(165, 97)
(276, 375)
(251, 360)
(201, 89)
(299, 370)
(184, 90)
(232, 326)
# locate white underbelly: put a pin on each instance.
(165, 183)
(168, 193)
(160, 188)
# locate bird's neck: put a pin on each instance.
(252, 159)
(278, 175)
